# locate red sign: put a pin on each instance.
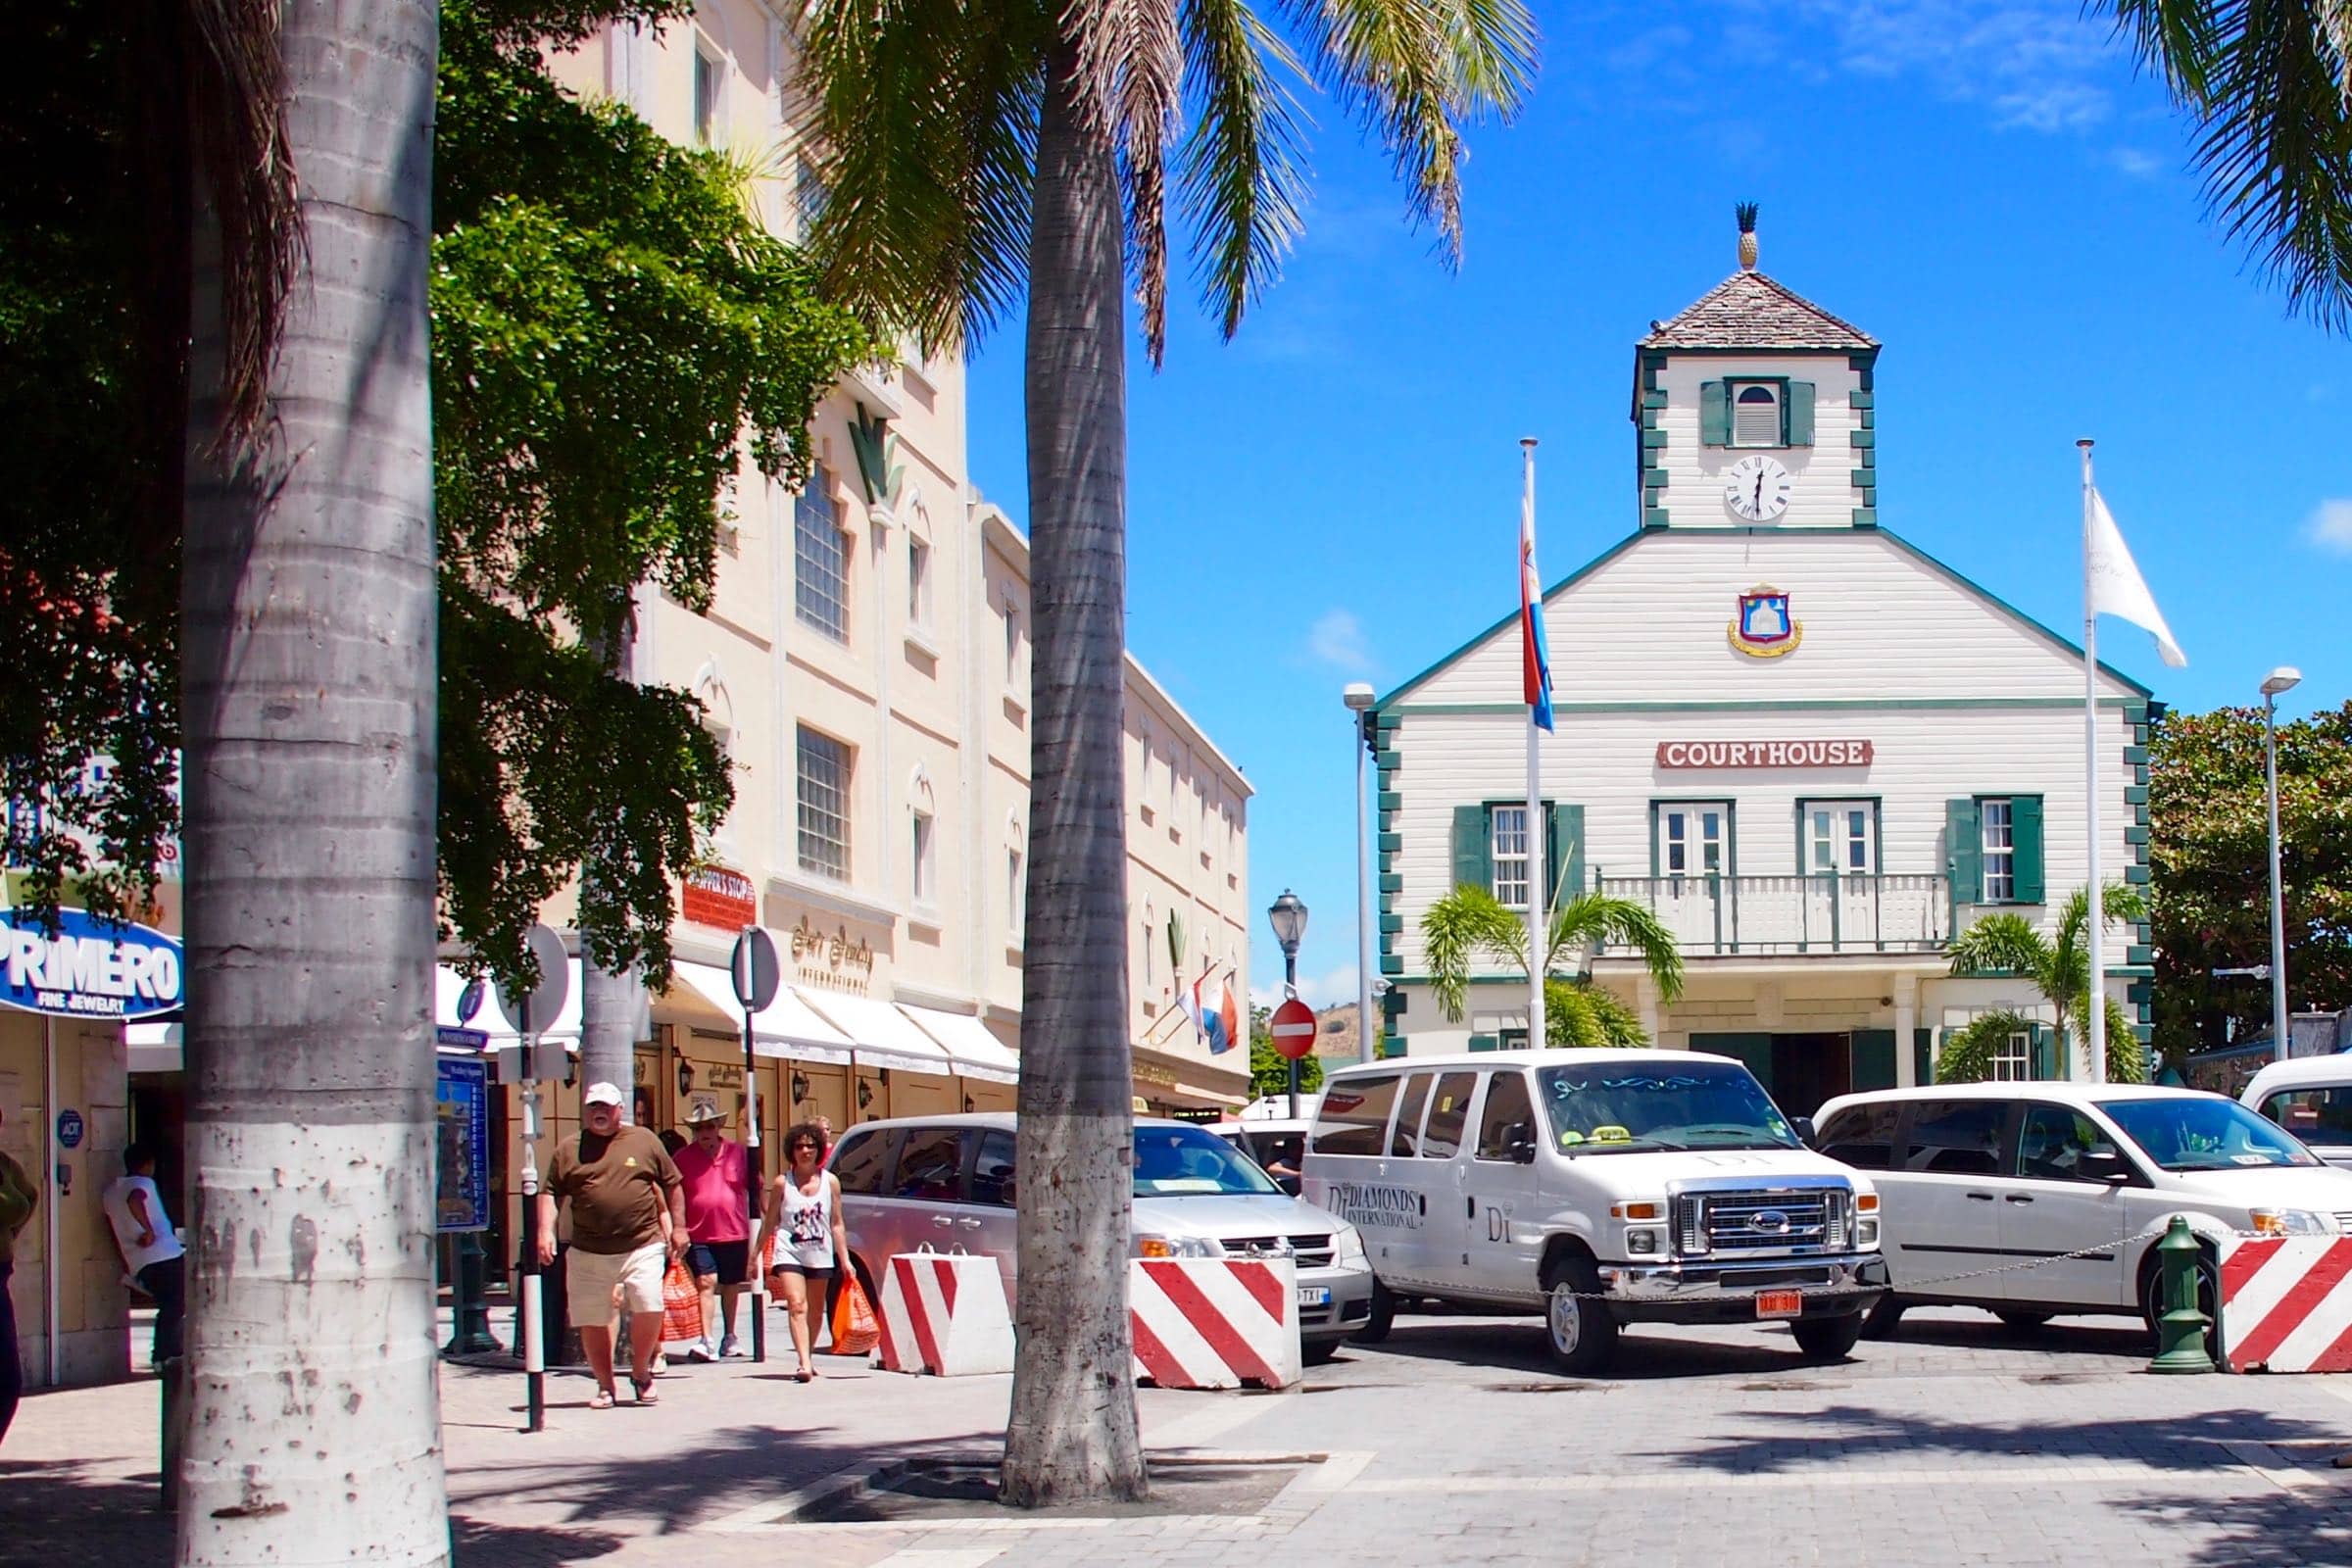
(1295, 1029)
(720, 896)
(1764, 754)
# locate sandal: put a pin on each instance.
(600, 1400)
(804, 1375)
(645, 1392)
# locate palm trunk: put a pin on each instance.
(611, 1005)
(1072, 1433)
(313, 1428)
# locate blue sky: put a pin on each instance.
(1988, 188)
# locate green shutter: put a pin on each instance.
(1964, 851)
(1752, 1048)
(1470, 847)
(1923, 1056)
(1874, 1059)
(1485, 1042)
(1564, 849)
(2046, 1053)
(2024, 826)
(1715, 414)
(1800, 414)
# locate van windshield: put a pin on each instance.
(2206, 1133)
(1186, 1162)
(1600, 1108)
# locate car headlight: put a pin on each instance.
(1347, 1245)
(1866, 1234)
(1178, 1247)
(1641, 1242)
(2289, 1222)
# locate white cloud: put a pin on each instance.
(2330, 526)
(1337, 638)
(2135, 162)
(2028, 62)
(1315, 990)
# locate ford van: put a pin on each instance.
(1601, 1187)
(2310, 1097)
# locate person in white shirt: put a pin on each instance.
(151, 1247)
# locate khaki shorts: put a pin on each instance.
(592, 1281)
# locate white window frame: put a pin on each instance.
(918, 583)
(923, 861)
(1681, 828)
(823, 805)
(1507, 857)
(1836, 849)
(821, 557)
(1777, 397)
(1016, 885)
(709, 114)
(2013, 1060)
(1996, 843)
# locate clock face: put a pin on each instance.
(1757, 489)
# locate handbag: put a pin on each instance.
(854, 1331)
(681, 1305)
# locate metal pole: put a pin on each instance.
(2096, 1002)
(750, 1146)
(2270, 773)
(52, 1296)
(1363, 900)
(1290, 989)
(1539, 889)
(534, 1348)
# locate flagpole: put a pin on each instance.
(2096, 1033)
(1536, 886)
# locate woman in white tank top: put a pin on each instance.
(810, 1241)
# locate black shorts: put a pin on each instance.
(731, 1261)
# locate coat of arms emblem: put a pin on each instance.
(1764, 629)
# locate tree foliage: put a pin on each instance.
(1470, 925)
(2209, 853)
(612, 330)
(2057, 964)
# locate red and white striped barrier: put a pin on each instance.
(944, 1313)
(1214, 1323)
(2286, 1305)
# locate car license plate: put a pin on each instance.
(1780, 1304)
(1314, 1295)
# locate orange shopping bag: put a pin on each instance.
(681, 1305)
(854, 1331)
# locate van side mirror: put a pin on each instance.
(2105, 1165)
(1520, 1140)
(1802, 1126)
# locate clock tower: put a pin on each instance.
(1753, 408)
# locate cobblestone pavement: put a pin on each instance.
(1961, 1443)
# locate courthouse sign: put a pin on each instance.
(1764, 754)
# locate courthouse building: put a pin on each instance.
(1811, 749)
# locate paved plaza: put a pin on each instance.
(1960, 1443)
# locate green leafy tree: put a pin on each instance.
(1470, 926)
(2209, 855)
(2057, 962)
(978, 155)
(2270, 84)
(1270, 1069)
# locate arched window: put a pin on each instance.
(1756, 415)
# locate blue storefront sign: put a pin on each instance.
(90, 969)
(461, 1145)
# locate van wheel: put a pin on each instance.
(1384, 1316)
(1827, 1339)
(1883, 1320)
(1578, 1329)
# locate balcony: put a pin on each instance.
(1770, 916)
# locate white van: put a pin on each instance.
(1276, 1142)
(1599, 1187)
(2310, 1097)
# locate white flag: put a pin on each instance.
(2114, 586)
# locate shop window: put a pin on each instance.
(824, 805)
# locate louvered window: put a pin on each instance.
(1755, 414)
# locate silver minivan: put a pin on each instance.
(950, 1183)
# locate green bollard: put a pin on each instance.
(2181, 1332)
(472, 1334)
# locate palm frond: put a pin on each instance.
(1462, 927)
(1413, 71)
(1999, 944)
(923, 130)
(2127, 1056)
(1131, 75)
(2269, 82)
(1578, 1012)
(1606, 921)
(1967, 1056)
(1241, 178)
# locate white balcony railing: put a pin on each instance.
(1720, 916)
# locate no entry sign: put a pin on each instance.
(1295, 1029)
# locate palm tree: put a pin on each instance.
(308, 667)
(1470, 924)
(2271, 85)
(973, 152)
(2058, 963)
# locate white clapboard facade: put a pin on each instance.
(1813, 750)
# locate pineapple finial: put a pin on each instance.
(1745, 212)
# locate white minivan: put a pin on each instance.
(1601, 1187)
(2034, 1199)
(2310, 1097)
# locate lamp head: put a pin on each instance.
(1289, 915)
(1358, 694)
(2283, 679)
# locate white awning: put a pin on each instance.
(976, 1053)
(153, 1047)
(447, 983)
(786, 1027)
(884, 1035)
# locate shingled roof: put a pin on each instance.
(1750, 311)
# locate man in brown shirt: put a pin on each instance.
(18, 1196)
(628, 1220)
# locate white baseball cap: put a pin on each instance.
(603, 1095)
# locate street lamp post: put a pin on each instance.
(1289, 915)
(1360, 699)
(2282, 679)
